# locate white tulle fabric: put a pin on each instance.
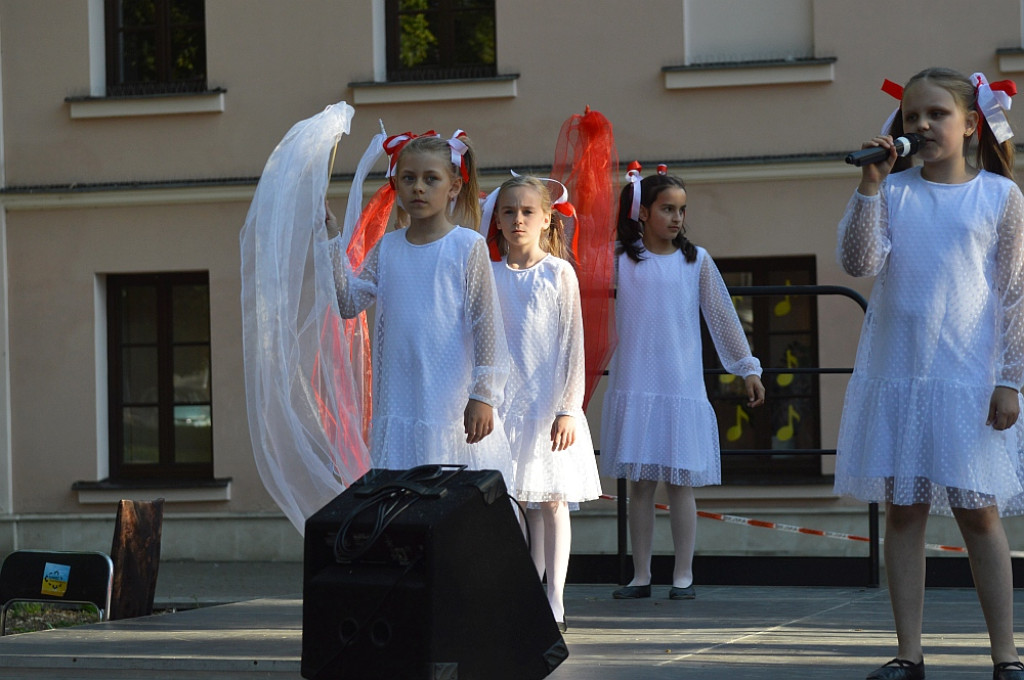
(657, 423)
(944, 326)
(544, 326)
(438, 342)
(305, 419)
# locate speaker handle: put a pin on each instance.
(421, 490)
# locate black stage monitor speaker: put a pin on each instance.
(424, 574)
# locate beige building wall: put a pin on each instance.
(97, 186)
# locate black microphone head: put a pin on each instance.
(913, 145)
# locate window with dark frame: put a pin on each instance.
(161, 420)
(155, 47)
(440, 39)
(783, 333)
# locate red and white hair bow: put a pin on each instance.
(633, 176)
(393, 148)
(993, 103)
(394, 144)
(459, 149)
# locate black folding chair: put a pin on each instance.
(56, 577)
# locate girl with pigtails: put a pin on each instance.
(657, 424)
(542, 411)
(440, 355)
(930, 422)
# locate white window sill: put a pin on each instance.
(151, 105)
(500, 87)
(747, 74)
(1011, 60)
(90, 493)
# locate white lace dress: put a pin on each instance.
(541, 310)
(944, 326)
(438, 342)
(657, 423)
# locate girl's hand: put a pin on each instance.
(755, 390)
(873, 175)
(331, 222)
(1003, 408)
(563, 433)
(479, 420)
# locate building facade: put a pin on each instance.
(133, 134)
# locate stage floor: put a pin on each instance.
(734, 632)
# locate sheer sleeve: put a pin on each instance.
(726, 330)
(355, 292)
(1010, 288)
(864, 235)
(571, 355)
(483, 313)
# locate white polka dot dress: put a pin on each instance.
(657, 423)
(944, 326)
(438, 341)
(544, 327)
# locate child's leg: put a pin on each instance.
(557, 543)
(535, 521)
(641, 529)
(683, 516)
(904, 568)
(989, 554)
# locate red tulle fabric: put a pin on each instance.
(586, 162)
(373, 221)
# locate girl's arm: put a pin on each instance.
(1010, 288)
(483, 314)
(571, 360)
(726, 330)
(354, 293)
(864, 235)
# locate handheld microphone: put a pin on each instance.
(906, 145)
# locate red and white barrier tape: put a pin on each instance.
(733, 519)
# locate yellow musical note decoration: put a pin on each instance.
(785, 306)
(786, 379)
(736, 431)
(785, 432)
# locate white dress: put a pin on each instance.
(438, 342)
(657, 423)
(944, 326)
(541, 310)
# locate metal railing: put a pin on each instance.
(873, 531)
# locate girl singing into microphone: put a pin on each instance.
(930, 422)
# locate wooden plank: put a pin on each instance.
(136, 557)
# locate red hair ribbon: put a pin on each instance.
(894, 90)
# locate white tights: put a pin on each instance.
(551, 540)
(683, 519)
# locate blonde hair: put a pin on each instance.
(991, 155)
(467, 207)
(553, 240)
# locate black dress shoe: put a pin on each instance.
(632, 592)
(1008, 670)
(687, 593)
(898, 669)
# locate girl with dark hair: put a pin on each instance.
(657, 424)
